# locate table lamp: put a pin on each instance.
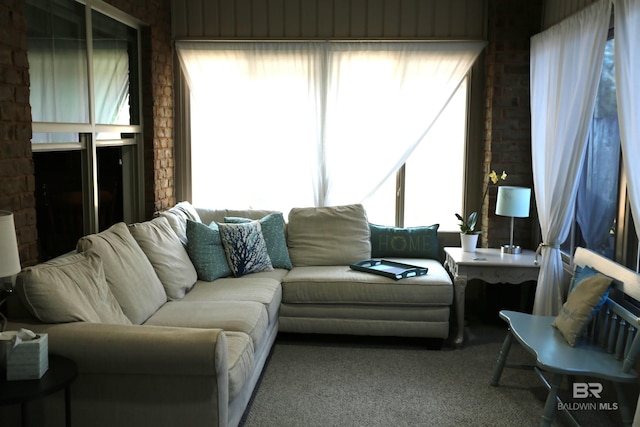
(513, 202)
(9, 258)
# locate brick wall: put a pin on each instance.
(16, 167)
(157, 98)
(507, 114)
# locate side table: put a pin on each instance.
(61, 373)
(489, 265)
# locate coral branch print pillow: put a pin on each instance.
(245, 247)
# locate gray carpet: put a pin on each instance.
(358, 381)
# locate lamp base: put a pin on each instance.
(510, 249)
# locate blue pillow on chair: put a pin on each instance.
(583, 273)
(589, 292)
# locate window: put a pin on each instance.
(284, 124)
(85, 100)
(406, 199)
(603, 220)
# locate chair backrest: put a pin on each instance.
(615, 326)
(627, 281)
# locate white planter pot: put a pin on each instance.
(468, 242)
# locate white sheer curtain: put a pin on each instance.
(566, 61)
(255, 122)
(306, 123)
(60, 84)
(382, 100)
(597, 194)
(59, 81)
(111, 81)
(627, 60)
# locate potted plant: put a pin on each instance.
(468, 233)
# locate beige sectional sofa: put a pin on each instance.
(171, 321)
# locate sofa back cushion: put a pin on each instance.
(128, 271)
(71, 288)
(167, 255)
(207, 216)
(336, 235)
(178, 216)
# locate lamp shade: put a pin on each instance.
(9, 257)
(513, 201)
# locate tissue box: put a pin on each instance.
(29, 360)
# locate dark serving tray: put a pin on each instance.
(392, 269)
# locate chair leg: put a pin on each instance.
(502, 359)
(623, 405)
(550, 406)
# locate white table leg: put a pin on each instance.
(459, 286)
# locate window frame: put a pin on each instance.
(131, 135)
(626, 247)
(469, 157)
(474, 143)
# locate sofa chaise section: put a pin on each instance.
(337, 299)
(322, 294)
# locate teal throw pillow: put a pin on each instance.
(273, 232)
(206, 251)
(410, 242)
(245, 248)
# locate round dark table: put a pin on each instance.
(60, 375)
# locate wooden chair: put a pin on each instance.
(608, 350)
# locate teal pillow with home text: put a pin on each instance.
(409, 242)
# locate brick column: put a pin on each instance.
(508, 114)
(157, 99)
(17, 181)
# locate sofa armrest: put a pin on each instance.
(138, 349)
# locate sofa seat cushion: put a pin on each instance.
(128, 271)
(342, 285)
(371, 312)
(399, 321)
(266, 291)
(240, 357)
(276, 274)
(240, 316)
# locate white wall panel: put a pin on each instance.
(327, 19)
(557, 10)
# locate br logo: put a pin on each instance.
(584, 390)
